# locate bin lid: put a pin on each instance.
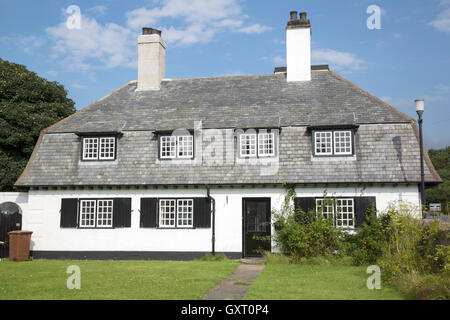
(20, 232)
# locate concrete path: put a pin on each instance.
(236, 285)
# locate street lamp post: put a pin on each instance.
(420, 109)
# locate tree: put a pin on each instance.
(441, 193)
(28, 104)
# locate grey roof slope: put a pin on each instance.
(233, 102)
(387, 149)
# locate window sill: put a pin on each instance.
(333, 158)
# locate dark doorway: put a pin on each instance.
(256, 222)
(10, 220)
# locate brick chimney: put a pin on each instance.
(298, 47)
(151, 59)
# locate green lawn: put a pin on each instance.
(316, 282)
(46, 279)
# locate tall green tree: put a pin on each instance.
(441, 193)
(28, 104)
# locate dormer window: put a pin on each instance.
(98, 148)
(176, 147)
(256, 145)
(333, 143)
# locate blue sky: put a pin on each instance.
(408, 58)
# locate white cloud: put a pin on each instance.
(194, 11)
(25, 43)
(94, 45)
(279, 61)
(99, 10)
(442, 21)
(254, 29)
(197, 21)
(338, 60)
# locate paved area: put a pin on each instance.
(236, 285)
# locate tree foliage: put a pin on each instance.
(28, 104)
(441, 162)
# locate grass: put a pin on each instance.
(155, 280)
(281, 281)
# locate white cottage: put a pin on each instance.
(176, 168)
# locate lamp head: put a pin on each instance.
(420, 104)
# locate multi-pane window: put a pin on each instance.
(185, 146)
(107, 148)
(343, 142)
(87, 213)
(104, 213)
(340, 211)
(176, 213)
(172, 147)
(248, 145)
(185, 211)
(335, 142)
(167, 213)
(90, 148)
(95, 148)
(322, 142)
(253, 145)
(96, 213)
(325, 207)
(266, 144)
(345, 213)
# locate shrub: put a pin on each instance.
(424, 287)
(304, 234)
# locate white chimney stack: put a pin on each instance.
(298, 48)
(151, 59)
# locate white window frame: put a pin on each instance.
(251, 140)
(97, 216)
(263, 139)
(106, 208)
(188, 147)
(345, 222)
(185, 213)
(176, 143)
(107, 143)
(322, 135)
(91, 153)
(336, 211)
(83, 213)
(164, 221)
(347, 134)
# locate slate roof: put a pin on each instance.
(386, 141)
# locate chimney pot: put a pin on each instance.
(151, 31)
(293, 15)
(303, 16)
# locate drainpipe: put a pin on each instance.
(213, 212)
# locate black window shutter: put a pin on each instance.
(69, 213)
(361, 206)
(149, 213)
(122, 213)
(202, 212)
(305, 204)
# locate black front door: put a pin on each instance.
(256, 222)
(9, 221)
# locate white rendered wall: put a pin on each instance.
(43, 218)
(298, 54)
(20, 198)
